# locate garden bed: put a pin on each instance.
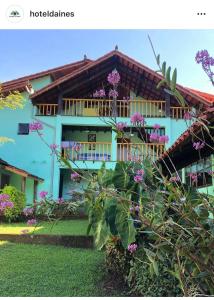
(64, 233)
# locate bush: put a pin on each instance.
(142, 283)
(19, 200)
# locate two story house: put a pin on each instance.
(63, 100)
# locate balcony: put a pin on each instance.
(103, 108)
(102, 151)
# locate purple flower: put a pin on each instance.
(113, 93)
(187, 116)
(132, 248)
(203, 58)
(53, 146)
(114, 77)
(43, 194)
(163, 139)
(31, 222)
(198, 145)
(137, 119)
(154, 137)
(99, 94)
(140, 172)
(156, 126)
(60, 201)
(138, 178)
(35, 126)
(137, 208)
(28, 211)
(121, 125)
(75, 176)
(6, 204)
(131, 209)
(4, 197)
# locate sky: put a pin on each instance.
(25, 52)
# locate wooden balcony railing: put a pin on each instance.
(101, 151)
(135, 152)
(103, 108)
(98, 151)
(46, 109)
(177, 112)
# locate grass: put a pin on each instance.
(38, 270)
(67, 227)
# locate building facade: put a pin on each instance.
(62, 99)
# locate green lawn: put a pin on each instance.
(68, 227)
(38, 270)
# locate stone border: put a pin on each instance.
(73, 241)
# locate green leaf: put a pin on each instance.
(168, 75)
(125, 227)
(179, 97)
(164, 68)
(174, 80)
(158, 59)
(160, 83)
(155, 267)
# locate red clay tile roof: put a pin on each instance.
(55, 73)
(207, 96)
(13, 169)
(130, 62)
(209, 114)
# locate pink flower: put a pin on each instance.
(163, 139)
(43, 194)
(35, 126)
(137, 119)
(77, 147)
(96, 94)
(114, 77)
(187, 116)
(175, 179)
(113, 94)
(154, 137)
(121, 125)
(193, 177)
(198, 145)
(138, 178)
(140, 172)
(31, 222)
(4, 197)
(132, 248)
(28, 211)
(75, 176)
(156, 126)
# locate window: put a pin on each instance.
(199, 174)
(23, 128)
(4, 180)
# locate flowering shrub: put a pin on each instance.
(14, 204)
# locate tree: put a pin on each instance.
(13, 100)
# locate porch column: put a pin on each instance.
(56, 171)
(60, 104)
(167, 105)
(113, 146)
(35, 189)
(23, 184)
